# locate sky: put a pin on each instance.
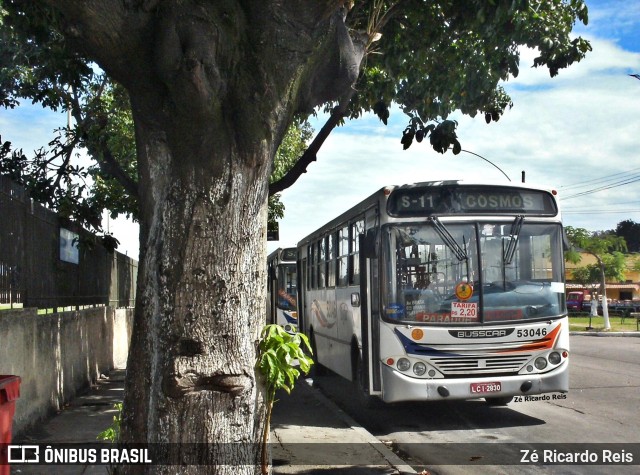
(578, 133)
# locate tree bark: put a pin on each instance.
(213, 87)
(190, 375)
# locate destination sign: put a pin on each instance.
(446, 200)
(289, 254)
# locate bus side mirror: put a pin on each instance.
(369, 243)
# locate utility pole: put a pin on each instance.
(603, 286)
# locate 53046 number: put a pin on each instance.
(531, 332)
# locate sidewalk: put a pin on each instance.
(310, 435)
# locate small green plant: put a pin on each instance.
(112, 433)
(279, 355)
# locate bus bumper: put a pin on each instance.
(398, 387)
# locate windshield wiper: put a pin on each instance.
(449, 240)
(509, 252)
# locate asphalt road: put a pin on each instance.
(598, 421)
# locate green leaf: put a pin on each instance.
(277, 351)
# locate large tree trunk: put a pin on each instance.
(200, 307)
(213, 87)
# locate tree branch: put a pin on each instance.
(111, 167)
(103, 156)
(310, 154)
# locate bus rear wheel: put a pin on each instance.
(316, 369)
(368, 401)
(498, 401)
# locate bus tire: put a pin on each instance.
(365, 399)
(316, 368)
(498, 401)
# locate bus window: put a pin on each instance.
(423, 270)
(530, 285)
(429, 276)
(313, 266)
(331, 258)
(343, 256)
(322, 264)
(355, 230)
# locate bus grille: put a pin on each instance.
(507, 364)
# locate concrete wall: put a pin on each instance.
(60, 354)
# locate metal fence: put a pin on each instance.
(42, 266)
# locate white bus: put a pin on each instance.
(281, 288)
(440, 290)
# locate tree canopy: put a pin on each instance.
(630, 231)
(36, 64)
(431, 58)
(102, 128)
(611, 246)
(608, 251)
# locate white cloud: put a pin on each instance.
(606, 59)
(614, 18)
(29, 127)
(580, 126)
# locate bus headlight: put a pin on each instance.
(419, 368)
(555, 358)
(403, 364)
(541, 363)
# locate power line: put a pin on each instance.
(596, 180)
(626, 181)
(608, 204)
(601, 211)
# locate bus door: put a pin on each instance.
(301, 287)
(272, 289)
(370, 314)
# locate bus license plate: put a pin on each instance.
(484, 388)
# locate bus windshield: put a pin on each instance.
(472, 272)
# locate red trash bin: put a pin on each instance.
(9, 393)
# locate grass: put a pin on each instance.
(581, 322)
(6, 306)
(45, 311)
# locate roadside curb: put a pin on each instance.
(603, 333)
(393, 460)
